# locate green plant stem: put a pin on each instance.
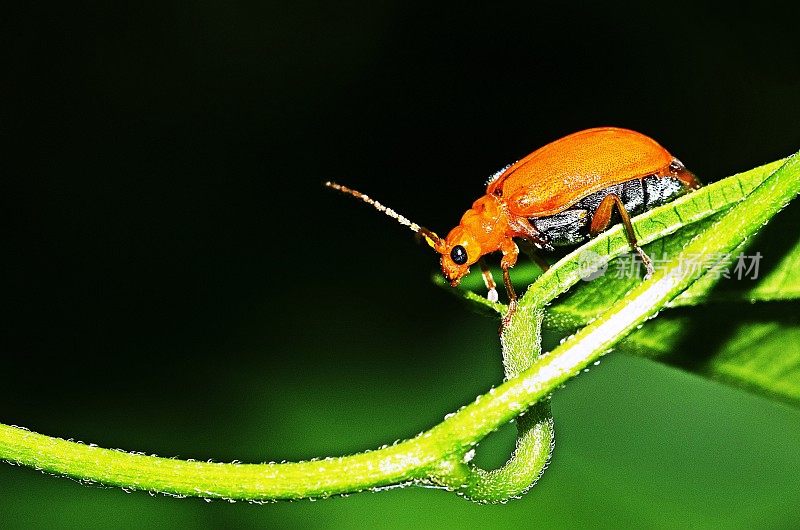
(435, 452)
(521, 341)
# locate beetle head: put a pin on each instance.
(459, 250)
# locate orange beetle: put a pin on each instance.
(561, 194)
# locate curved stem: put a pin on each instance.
(521, 341)
(428, 454)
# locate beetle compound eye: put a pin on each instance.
(458, 255)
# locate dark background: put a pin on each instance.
(177, 281)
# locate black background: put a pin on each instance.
(165, 228)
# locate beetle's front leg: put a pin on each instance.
(488, 280)
(510, 252)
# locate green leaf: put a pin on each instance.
(758, 350)
(776, 279)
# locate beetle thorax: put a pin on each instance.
(487, 221)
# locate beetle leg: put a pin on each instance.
(525, 229)
(488, 280)
(512, 299)
(601, 219)
(530, 251)
(510, 252)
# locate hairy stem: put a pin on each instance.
(521, 341)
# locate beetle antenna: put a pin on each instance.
(432, 239)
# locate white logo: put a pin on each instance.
(591, 265)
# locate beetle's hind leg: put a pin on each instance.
(488, 280)
(602, 218)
